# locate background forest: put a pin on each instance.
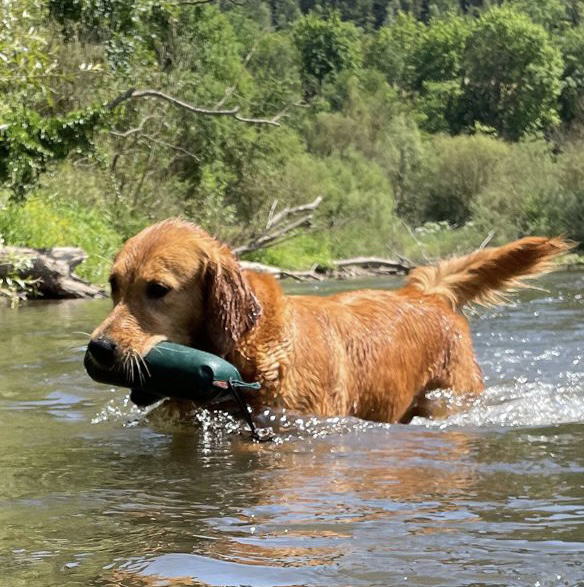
(424, 125)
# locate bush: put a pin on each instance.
(51, 221)
(357, 211)
(517, 202)
(301, 252)
(454, 171)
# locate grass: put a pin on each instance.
(50, 222)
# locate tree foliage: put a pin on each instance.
(459, 113)
(513, 74)
(327, 46)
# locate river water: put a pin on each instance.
(95, 493)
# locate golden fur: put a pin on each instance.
(370, 354)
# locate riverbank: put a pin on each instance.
(28, 274)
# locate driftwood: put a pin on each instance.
(50, 271)
(315, 274)
(342, 269)
(374, 265)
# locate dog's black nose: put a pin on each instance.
(103, 351)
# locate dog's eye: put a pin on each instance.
(155, 290)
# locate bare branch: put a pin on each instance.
(138, 129)
(133, 93)
(278, 228)
(271, 213)
(487, 240)
(276, 218)
(192, 3)
(201, 2)
(417, 241)
(280, 273)
(234, 112)
(274, 237)
(121, 98)
(272, 121)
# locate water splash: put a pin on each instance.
(519, 403)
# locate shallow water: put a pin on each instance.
(92, 493)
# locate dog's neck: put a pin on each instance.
(265, 362)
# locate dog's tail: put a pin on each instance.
(484, 276)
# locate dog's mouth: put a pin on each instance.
(116, 374)
(142, 398)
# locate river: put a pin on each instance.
(95, 493)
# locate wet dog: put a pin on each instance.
(371, 354)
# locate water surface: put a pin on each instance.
(92, 493)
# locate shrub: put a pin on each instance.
(517, 201)
(44, 222)
(453, 172)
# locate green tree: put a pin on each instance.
(393, 48)
(511, 75)
(454, 171)
(572, 97)
(551, 14)
(423, 10)
(327, 46)
(439, 53)
(438, 64)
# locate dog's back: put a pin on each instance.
(373, 354)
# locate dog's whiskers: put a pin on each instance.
(135, 368)
(143, 362)
(135, 361)
(127, 368)
(84, 334)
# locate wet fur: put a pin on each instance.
(370, 354)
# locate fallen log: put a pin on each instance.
(375, 265)
(341, 269)
(279, 273)
(47, 273)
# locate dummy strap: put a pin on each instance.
(234, 386)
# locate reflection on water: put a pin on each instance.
(94, 492)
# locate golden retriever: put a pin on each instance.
(371, 354)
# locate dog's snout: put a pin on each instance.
(103, 350)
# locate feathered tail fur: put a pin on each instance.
(484, 276)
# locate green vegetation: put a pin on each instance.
(424, 125)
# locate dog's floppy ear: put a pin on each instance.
(231, 307)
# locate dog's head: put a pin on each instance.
(172, 281)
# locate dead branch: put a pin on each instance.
(201, 2)
(341, 269)
(372, 263)
(277, 218)
(487, 240)
(138, 129)
(132, 93)
(416, 240)
(278, 228)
